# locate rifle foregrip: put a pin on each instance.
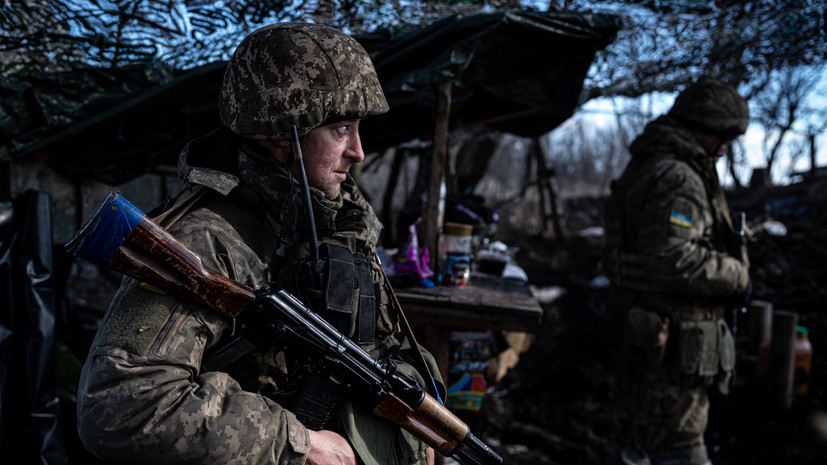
(440, 429)
(121, 237)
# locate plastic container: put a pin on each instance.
(493, 262)
(803, 361)
(456, 248)
(456, 238)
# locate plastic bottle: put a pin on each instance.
(803, 361)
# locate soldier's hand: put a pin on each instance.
(329, 448)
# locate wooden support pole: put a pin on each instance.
(760, 324)
(435, 208)
(545, 218)
(547, 185)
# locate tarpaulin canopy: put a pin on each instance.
(517, 72)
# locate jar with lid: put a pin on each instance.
(456, 246)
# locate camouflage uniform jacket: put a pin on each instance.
(669, 242)
(143, 395)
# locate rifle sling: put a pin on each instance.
(406, 327)
(183, 204)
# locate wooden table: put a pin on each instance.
(487, 303)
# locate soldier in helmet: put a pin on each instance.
(146, 394)
(675, 264)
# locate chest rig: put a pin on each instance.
(622, 263)
(339, 286)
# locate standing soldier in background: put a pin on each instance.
(676, 265)
(147, 392)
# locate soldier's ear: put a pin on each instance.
(277, 148)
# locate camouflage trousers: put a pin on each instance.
(659, 416)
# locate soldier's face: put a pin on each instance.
(328, 153)
(714, 146)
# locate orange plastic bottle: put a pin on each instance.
(803, 361)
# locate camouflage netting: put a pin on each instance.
(106, 125)
(517, 72)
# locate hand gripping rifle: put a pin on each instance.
(121, 237)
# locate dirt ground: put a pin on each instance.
(554, 406)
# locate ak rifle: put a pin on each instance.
(122, 238)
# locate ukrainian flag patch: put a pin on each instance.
(680, 219)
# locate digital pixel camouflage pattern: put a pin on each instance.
(670, 249)
(316, 75)
(143, 396)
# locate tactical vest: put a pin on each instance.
(345, 292)
(621, 262)
(702, 347)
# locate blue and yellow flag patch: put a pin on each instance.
(680, 219)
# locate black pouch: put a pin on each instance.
(340, 280)
(328, 287)
(342, 283)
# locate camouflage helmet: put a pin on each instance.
(297, 73)
(712, 107)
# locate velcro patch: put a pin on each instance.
(680, 219)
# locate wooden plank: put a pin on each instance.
(483, 304)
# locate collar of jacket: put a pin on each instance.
(665, 137)
(210, 161)
(349, 217)
(217, 161)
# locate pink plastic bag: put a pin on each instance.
(410, 259)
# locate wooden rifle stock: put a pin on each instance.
(122, 238)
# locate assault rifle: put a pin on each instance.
(740, 227)
(121, 237)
